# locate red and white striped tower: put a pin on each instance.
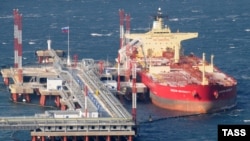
(86, 96)
(15, 14)
(20, 48)
(134, 91)
(121, 13)
(75, 60)
(127, 26)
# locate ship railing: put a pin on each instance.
(92, 88)
(68, 100)
(112, 104)
(90, 92)
(75, 89)
(35, 85)
(72, 85)
(82, 94)
(108, 99)
(32, 123)
(51, 118)
(108, 96)
(79, 92)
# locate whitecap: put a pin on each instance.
(33, 15)
(195, 11)
(174, 19)
(99, 35)
(109, 34)
(245, 77)
(6, 17)
(96, 34)
(232, 16)
(247, 30)
(246, 120)
(31, 43)
(188, 19)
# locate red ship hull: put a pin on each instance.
(176, 81)
(192, 97)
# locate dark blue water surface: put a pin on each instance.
(224, 30)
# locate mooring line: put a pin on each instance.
(151, 120)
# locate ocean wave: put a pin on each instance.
(32, 42)
(6, 17)
(195, 11)
(100, 35)
(232, 16)
(142, 29)
(32, 15)
(247, 30)
(245, 77)
(188, 19)
(174, 19)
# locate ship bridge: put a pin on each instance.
(159, 38)
(155, 42)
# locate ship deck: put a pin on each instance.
(188, 71)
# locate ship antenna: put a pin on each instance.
(159, 19)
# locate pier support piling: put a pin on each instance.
(40, 59)
(86, 138)
(42, 100)
(14, 97)
(108, 138)
(42, 138)
(63, 107)
(130, 138)
(27, 97)
(6, 81)
(34, 138)
(57, 101)
(65, 138)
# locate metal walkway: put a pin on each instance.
(99, 97)
(89, 77)
(84, 74)
(47, 124)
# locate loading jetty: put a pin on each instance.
(88, 110)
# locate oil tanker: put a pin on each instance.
(175, 81)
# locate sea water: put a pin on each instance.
(224, 31)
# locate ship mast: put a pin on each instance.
(158, 21)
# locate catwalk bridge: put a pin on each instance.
(90, 109)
